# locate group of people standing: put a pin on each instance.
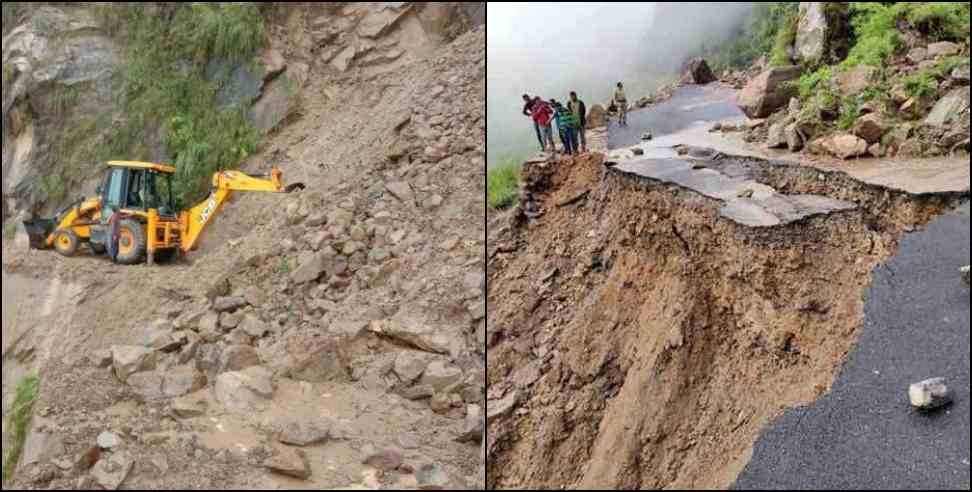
(571, 120)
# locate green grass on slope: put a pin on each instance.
(503, 185)
(18, 423)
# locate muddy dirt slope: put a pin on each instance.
(639, 337)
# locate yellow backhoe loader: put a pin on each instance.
(133, 218)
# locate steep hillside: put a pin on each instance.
(333, 335)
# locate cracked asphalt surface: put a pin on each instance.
(864, 434)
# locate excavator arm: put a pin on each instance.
(195, 220)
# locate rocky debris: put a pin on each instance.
(302, 432)
(244, 391)
(288, 461)
(870, 127)
(410, 365)
(856, 80)
(441, 375)
(950, 108)
(432, 477)
(473, 427)
(128, 360)
(596, 117)
(822, 32)
(224, 304)
(795, 138)
(147, 385)
(312, 266)
(416, 334)
(102, 359)
(387, 459)
(182, 380)
(944, 48)
(697, 72)
(960, 75)
(237, 357)
(844, 146)
(768, 92)
(253, 326)
(965, 274)
(188, 407)
(402, 191)
(775, 136)
(315, 359)
(500, 408)
(931, 394)
(108, 440)
(112, 470)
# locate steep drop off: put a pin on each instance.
(637, 339)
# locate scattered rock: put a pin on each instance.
(244, 391)
(229, 321)
(432, 477)
(188, 407)
(844, 146)
(415, 334)
(870, 127)
(301, 432)
(181, 381)
(917, 55)
(402, 191)
(768, 92)
(950, 108)
(147, 385)
(943, 48)
(856, 80)
(386, 460)
(253, 326)
(500, 408)
(108, 440)
(473, 428)
(128, 360)
(441, 375)
(224, 304)
(776, 137)
(410, 365)
(237, 357)
(418, 392)
(111, 471)
(793, 136)
(697, 72)
(930, 394)
(102, 358)
(311, 268)
(289, 461)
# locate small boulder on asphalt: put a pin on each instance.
(289, 461)
(930, 394)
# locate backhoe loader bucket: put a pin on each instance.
(38, 232)
(294, 187)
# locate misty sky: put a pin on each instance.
(549, 49)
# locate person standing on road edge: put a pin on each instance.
(542, 115)
(567, 124)
(528, 112)
(580, 112)
(622, 102)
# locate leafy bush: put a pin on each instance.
(942, 21)
(810, 82)
(785, 37)
(502, 185)
(850, 110)
(920, 85)
(876, 33)
(757, 37)
(164, 85)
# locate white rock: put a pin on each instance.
(929, 394)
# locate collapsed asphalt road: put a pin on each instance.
(864, 434)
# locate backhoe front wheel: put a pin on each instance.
(131, 242)
(66, 243)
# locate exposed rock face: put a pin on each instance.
(768, 92)
(855, 80)
(822, 32)
(56, 57)
(950, 108)
(697, 72)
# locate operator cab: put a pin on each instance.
(139, 187)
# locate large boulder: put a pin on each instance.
(870, 127)
(943, 48)
(844, 146)
(950, 108)
(697, 72)
(244, 391)
(769, 91)
(596, 117)
(823, 32)
(856, 80)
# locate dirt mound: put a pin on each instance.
(393, 159)
(638, 340)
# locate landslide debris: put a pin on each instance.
(637, 339)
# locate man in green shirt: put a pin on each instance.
(580, 112)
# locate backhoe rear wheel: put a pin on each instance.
(131, 242)
(66, 243)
